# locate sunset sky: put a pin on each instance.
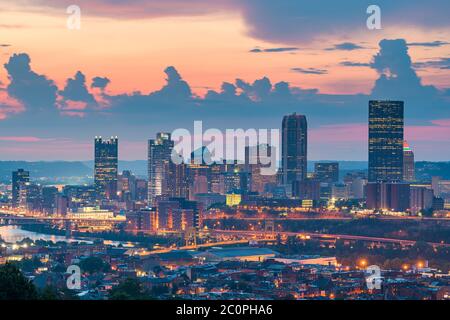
(322, 49)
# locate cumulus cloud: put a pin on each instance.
(76, 90)
(240, 103)
(35, 91)
(176, 87)
(398, 79)
(100, 82)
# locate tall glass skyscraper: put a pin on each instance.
(159, 160)
(294, 148)
(408, 163)
(19, 179)
(106, 167)
(386, 141)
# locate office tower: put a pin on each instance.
(408, 163)
(340, 191)
(179, 177)
(198, 175)
(260, 180)
(294, 148)
(141, 189)
(307, 189)
(159, 157)
(388, 196)
(106, 167)
(357, 183)
(80, 196)
(62, 204)
(421, 198)
(30, 197)
(126, 185)
(237, 181)
(386, 141)
(144, 220)
(326, 172)
(187, 216)
(49, 199)
(216, 178)
(178, 214)
(19, 178)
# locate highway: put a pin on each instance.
(322, 236)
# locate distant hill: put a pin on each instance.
(425, 170)
(138, 167)
(53, 169)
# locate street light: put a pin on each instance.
(363, 263)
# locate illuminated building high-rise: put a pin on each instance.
(19, 179)
(294, 148)
(386, 141)
(326, 172)
(408, 163)
(260, 177)
(159, 158)
(106, 167)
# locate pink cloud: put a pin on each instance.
(23, 139)
(9, 105)
(442, 122)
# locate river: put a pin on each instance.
(13, 234)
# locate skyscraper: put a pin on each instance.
(385, 141)
(159, 158)
(408, 163)
(19, 179)
(326, 171)
(106, 167)
(294, 148)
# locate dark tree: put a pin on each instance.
(93, 265)
(14, 286)
(129, 289)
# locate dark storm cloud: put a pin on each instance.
(436, 43)
(354, 64)
(282, 21)
(310, 70)
(345, 46)
(293, 21)
(100, 82)
(274, 50)
(442, 63)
